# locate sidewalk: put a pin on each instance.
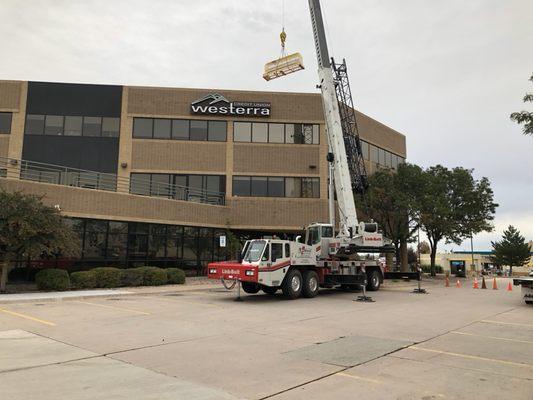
(193, 283)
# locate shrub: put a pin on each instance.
(427, 269)
(133, 277)
(83, 279)
(108, 277)
(52, 279)
(175, 275)
(154, 276)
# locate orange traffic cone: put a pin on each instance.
(509, 287)
(494, 284)
(447, 282)
(483, 283)
(476, 284)
(458, 284)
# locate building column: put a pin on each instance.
(125, 145)
(16, 138)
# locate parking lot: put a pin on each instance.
(197, 343)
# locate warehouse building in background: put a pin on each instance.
(155, 176)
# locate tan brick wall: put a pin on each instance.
(276, 159)
(10, 95)
(380, 135)
(174, 155)
(294, 107)
(249, 213)
(4, 145)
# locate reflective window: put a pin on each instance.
(289, 133)
(241, 186)
(34, 124)
(160, 185)
(364, 149)
(276, 187)
(142, 127)
(110, 127)
(287, 250)
(259, 132)
(381, 156)
(276, 133)
(310, 187)
(217, 131)
(162, 128)
(92, 126)
(198, 130)
(73, 126)
(373, 153)
(316, 134)
(180, 129)
(53, 125)
(259, 186)
(277, 251)
(242, 132)
(5, 122)
(140, 184)
(293, 187)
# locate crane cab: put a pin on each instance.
(322, 238)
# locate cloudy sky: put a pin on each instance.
(447, 74)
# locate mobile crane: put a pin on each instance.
(322, 259)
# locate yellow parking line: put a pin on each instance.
(112, 307)
(504, 323)
(492, 337)
(472, 357)
(42, 321)
(360, 378)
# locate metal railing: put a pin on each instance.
(60, 175)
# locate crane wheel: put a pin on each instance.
(311, 285)
(292, 284)
(250, 287)
(269, 289)
(373, 280)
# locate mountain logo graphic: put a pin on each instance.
(214, 97)
(216, 104)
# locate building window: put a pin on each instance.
(5, 122)
(364, 149)
(373, 153)
(34, 124)
(73, 126)
(217, 131)
(92, 126)
(180, 129)
(242, 132)
(198, 130)
(110, 127)
(241, 186)
(274, 186)
(259, 132)
(53, 125)
(142, 127)
(162, 128)
(276, 133)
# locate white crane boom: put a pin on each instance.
(348, 222)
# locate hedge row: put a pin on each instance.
(108, 277)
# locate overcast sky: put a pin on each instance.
(447, 74)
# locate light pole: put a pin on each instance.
(472, 253)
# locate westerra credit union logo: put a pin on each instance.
(216, 104)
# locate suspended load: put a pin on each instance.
(286, 64)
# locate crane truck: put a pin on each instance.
(321, 258)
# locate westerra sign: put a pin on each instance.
(216, 104)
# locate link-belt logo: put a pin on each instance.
(216, 104)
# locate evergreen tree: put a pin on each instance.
(512, 250)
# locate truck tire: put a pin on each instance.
(311, 285)
(292, 284)
(373, 280)
(250, 287)
(269, 289)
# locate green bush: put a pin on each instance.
(175, 275)
(427, 269)
(154, 276)
(83, 279)
(133, 277)
(52, 279)
(108, 277)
